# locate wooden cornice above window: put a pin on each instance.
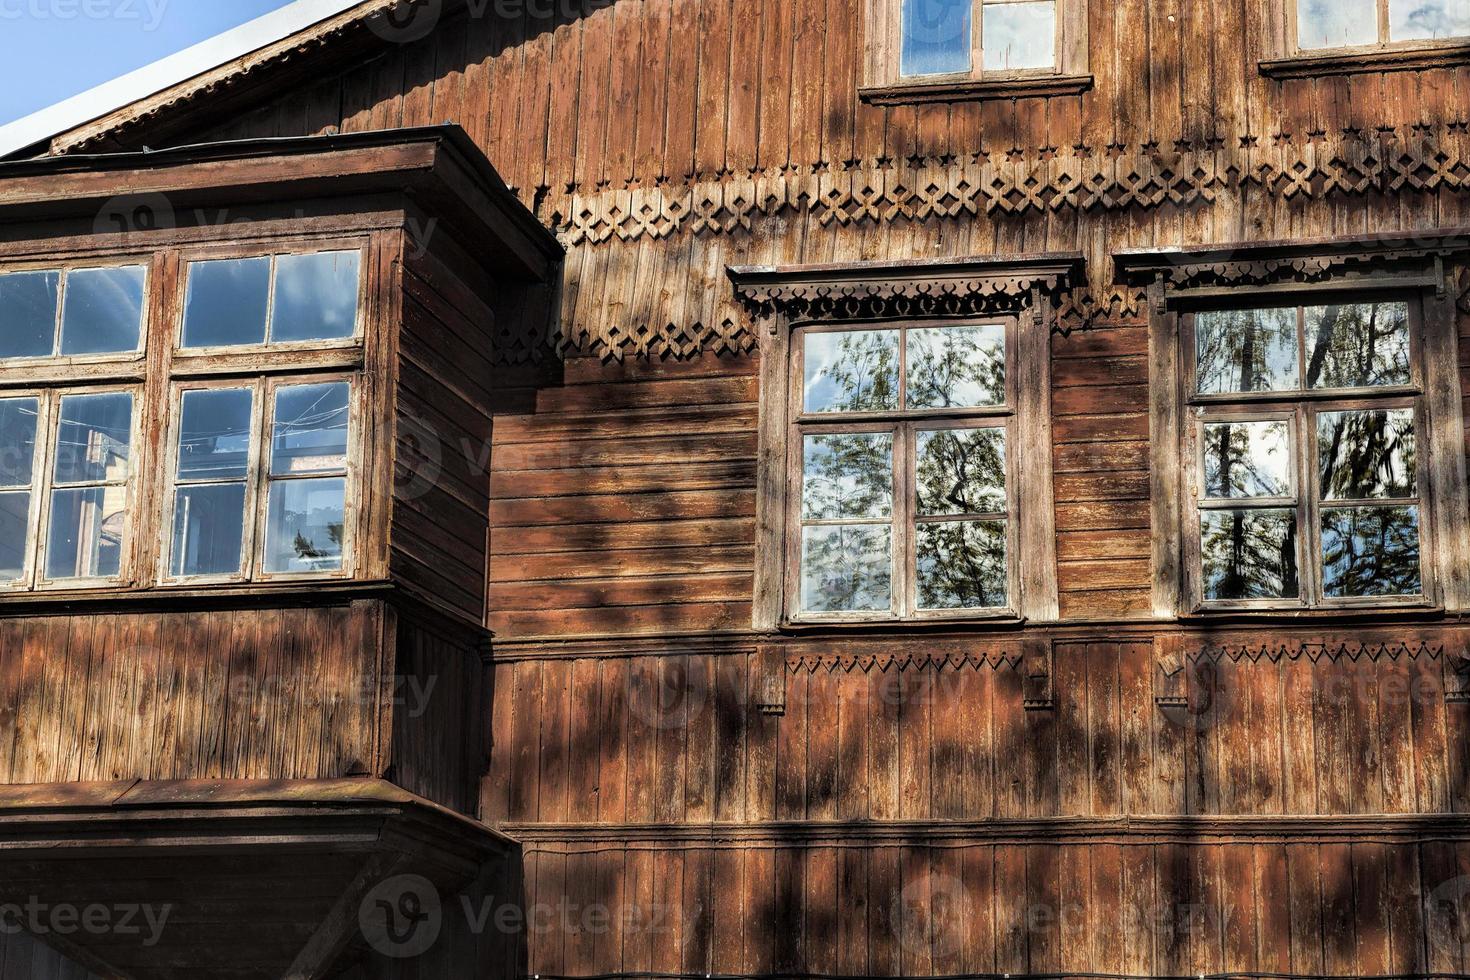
(918, 287)
(1410, 258)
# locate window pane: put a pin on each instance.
(1357, 346)
(936, 37)
(1367, 454)
(316, 297)
(226, 301)
(1424, 20)
(956, 367)
(310, 431)
(1336, 23)
(846, 476)
(28, 313)
(1247, 459)
(304, 526)
(1019, 35)
(855, 371)
(962, 565)
(1248, 554)
(86, 533)
(1246, 350)
(17, 441)
(103, 310)
(209, 527)
(214, 434)
(961, 471)
(846, 569)
(1369, 551)
(93, 438)
(15, 522)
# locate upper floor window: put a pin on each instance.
(1358, 23)
(1304, 441)
(252, 474)
(71, 312)
(904, 500)
(975, 48)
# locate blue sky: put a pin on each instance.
(52, 49)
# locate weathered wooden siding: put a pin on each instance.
(667, 139)
(625, 502)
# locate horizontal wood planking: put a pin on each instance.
(1141, 909)
(608, 475)
(680, 734)
(1099, 400)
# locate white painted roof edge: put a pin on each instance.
(167, 72)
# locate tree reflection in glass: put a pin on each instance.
(956, 367)
(1247, 459)
(1248, 554)
(1246, 350)
(1370, 551)
(961, 565)
(851, 371)
(1364, 345)
(847, 567)
(1367, 455)
(848, 475)
(960, 471)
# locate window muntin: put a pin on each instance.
(1330, 24)
(284, 442)
(1307, 487)
(72, 312)
(289, 298)
(902, 508)
(940, 38)
(20, 419)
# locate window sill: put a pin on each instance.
(975, 90)
(1349, 62)
(1386, 612)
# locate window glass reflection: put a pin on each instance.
(209, 529)
(956, 367)
(103, 310)
(847, 476)
(1359, 345)
(15, 523)
(1428, 20)
(1336, 23)
(961, 565)
(851, 371)
(1370, 551)
(315, 297)
(310, 430)
(1249, 554)
(86, 532)
(1247, 459)
(214, 434)
(1367, 454)
(1246, 350)
(1017, 36)
(936, 37)
(94, 438)
(225, 302)
(960, 471)
(17, 441)
(846, 568)
(304, 525)
(28, 313)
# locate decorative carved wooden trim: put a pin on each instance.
(1045, 86)
(880, 290)
(1017, 180)
(1008, 657)
(771, 666)
(1331, 650)
(1415, 58)
(1037, 693)
(1305, 262)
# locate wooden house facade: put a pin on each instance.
(835, 489)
